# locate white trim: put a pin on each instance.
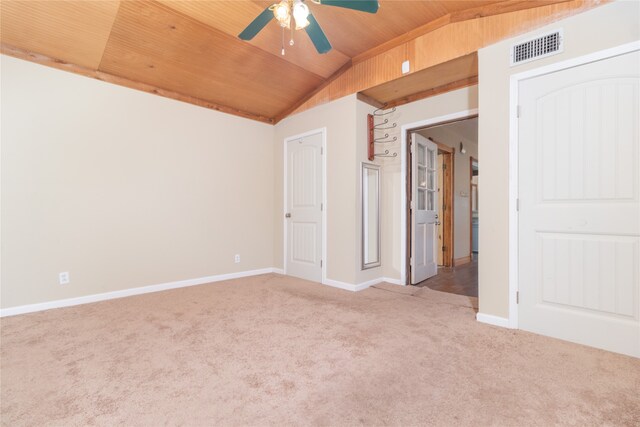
(340, 285)
(278, 270)
(323, 132)
(493, 320)
(31, 308)
(392, 281)
(359, 286)
(513, 155)
(513, 204)
(368, 283)
(403, 174)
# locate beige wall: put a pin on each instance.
(346, 123)
(339, 119)
(393, 181)
(604, 27)
(124, 189)
(451, 136)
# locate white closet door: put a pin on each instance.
(304, 208)
(579, 220)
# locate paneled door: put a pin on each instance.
(424, 205)
(579, 219)
(304, 207)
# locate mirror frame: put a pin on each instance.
(364, 168)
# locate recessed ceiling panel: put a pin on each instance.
(72, 31)
(151, 44)
(232, 17)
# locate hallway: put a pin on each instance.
(461, 280)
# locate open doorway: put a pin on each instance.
(454, 242)
(474, 217)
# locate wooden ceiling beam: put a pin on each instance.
(443, 41)
(110, 78)
(403, 39)
(459, 84)
(370, 100)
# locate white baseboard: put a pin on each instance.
(493, 320)
(368, 284)
(69, 302)
(340, 285)
(31, 308)
(360, 286)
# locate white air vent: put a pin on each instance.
(536, 48)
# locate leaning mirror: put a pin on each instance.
(370, 191)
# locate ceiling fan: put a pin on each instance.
(295, 15)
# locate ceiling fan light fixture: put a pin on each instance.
(300, 14)
(302, 25)
(281, 13)
(285, 12)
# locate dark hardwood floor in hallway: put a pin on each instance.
(461, 280)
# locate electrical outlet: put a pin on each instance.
(63, 278)
(236, 258)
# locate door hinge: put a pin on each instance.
(320, 263)
(321, 207)
(321, 151)
(444, 248)
(517, 297)
(411, 204)
(518, 111)
(444, 166)
(518, 205)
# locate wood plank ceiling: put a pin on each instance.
(189, 50)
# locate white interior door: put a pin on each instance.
(424, 218)
(579, 220)
(304, 207)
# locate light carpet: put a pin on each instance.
(275, 350)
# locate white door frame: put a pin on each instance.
(513, 155)
(460, 115)
(323, 132)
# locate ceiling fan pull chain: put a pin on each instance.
(293, 29)
(282, 41)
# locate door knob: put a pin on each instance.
(287, 215)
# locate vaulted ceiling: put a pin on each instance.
(189, 50)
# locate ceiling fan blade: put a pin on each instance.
(370, 6)
(258, 24)
(317, 36)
